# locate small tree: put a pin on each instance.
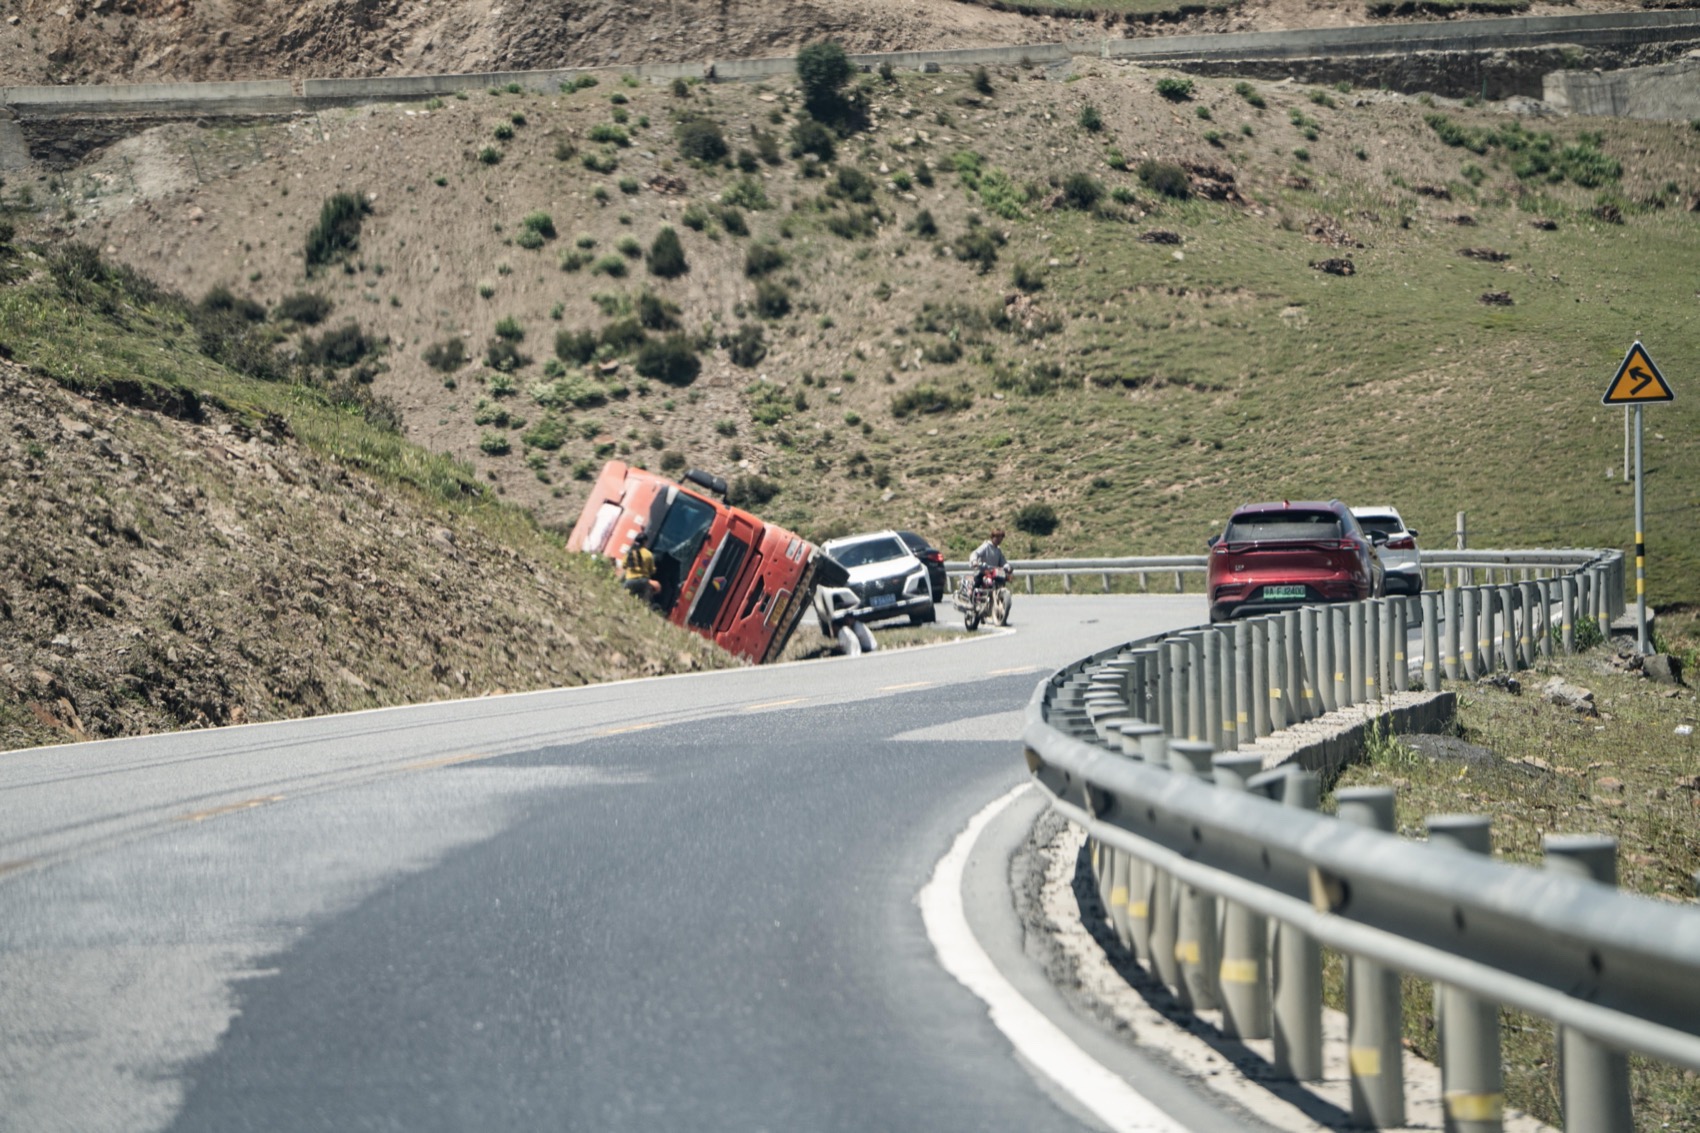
(701, 139)
(669, 360)
(667, 256)
(1036, 519)
(823, 69)
(338, 232)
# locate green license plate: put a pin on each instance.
(1277, 593)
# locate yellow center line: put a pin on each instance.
(1012, 672)
(445, 761)
(911, 684)
(228, 808)
(774, 704)
(622, 729)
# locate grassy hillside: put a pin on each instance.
(980, 304)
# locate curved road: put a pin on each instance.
(688, 901)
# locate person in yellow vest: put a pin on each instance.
(637, 569)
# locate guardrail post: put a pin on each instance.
(1472, 1087)
(1297, 975)
(1508, 659)
(1227, 676)
(1373, 1045)
(1029, 584)
(1449, 633)
(1340, 623)
(1469, 635)
(1244, 678)
(1544, 598)
(1106, 579)
(1310, 653)
(1068, 583)
(1487, 633)
(1198, 717)
(1528, 597)
(1401, 638)
(1243, 977)
(1196, 950)
(1356, 615)
(1211, 660)
(1162, 688)
(1378, 640)
(1595, 1077)
(1293, 688)
(1260, 677)
(1432, 665)
(1180, 689)
(1279, 715)
(1114, 894)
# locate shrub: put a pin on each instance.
(446, 356)
(746, 193)
(1202, 113)
(732, 219)
(504, 132)
(495, 444)
(851, 184)
(672, 461)
(700, 138)
(629, 247)
(666, 256)
(1249, 93)
(810, 137)
(1081, 191)
(609, 265)
(924, 224)
(573, 261)
(767, 145)
(575, 346)
(510, 329)
(982, 80)
(1028, 278)
(600, 161)
(978, 246)
(670, 360)
(490, 155)
(695, 218)
(549, 434)
(823, 69)
(629, 186)
(503, 356)
(529, 240)
(923, 173)
(1036, 519)
(1165, 177)
(541, 223)
(565, 150)
(517, 118)
(338, 348)
(303, 307)
(929, 399)
(1090, 120)
(221, 300)
(750, 491)
(772, 300)
(681, 89)
(1175, 90)
(610, 134)
(656, 313)
(337, 234)
(623, 336)
(760, 259)
(747, 347)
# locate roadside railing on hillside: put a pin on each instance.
(1221, 879)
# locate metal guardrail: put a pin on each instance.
(1221, 879)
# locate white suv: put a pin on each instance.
(1400, 557)
(886, 578)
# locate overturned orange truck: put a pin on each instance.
(740, 582)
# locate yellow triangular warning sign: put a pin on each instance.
(1637, 380)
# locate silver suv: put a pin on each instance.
(1400, 557)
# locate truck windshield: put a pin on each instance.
(676, 543)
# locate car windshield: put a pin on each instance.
(1386, 524)
(1273, 526)
(678, 538)
(868, 551)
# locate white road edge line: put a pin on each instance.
(1038, 1040)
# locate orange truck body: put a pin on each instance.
(724, 573)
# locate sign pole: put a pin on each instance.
(1641, 643)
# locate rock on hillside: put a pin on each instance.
(159, 574)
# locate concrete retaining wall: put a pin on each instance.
(1668, 93)
(266, 97)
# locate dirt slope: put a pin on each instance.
(160, 574)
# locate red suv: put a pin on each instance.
(1276, 556)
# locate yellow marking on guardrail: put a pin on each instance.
(1475, 1107)
(1365, 1061)
(624, 728)
(774, 704)
(445, 761)
(911, 684)
(1186, 951)
(228, 808)
(1118, 895)
(1239, 972)
(1139, 910)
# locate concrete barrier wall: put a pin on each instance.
(268, 96)
(1670, 92)
(1454, 35)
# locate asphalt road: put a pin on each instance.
(686, 901)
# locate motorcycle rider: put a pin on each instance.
(987, 556)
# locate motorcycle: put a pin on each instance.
(984, 597)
